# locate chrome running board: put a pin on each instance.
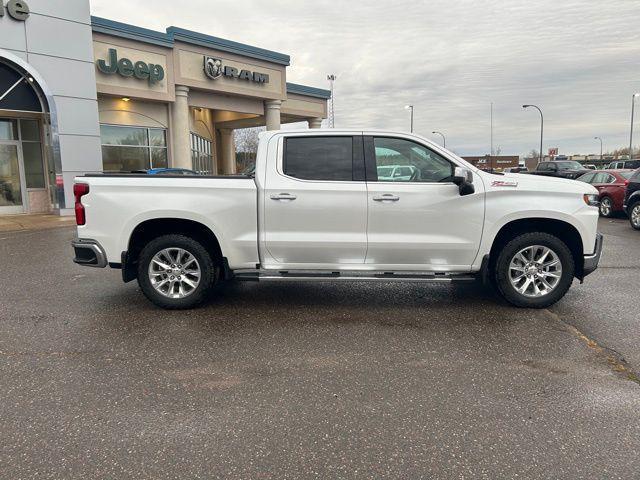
(350, 276)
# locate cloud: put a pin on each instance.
(577, 60)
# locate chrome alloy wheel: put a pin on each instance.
(606, 206)
(635, 215)
(174, 272)
(535, 271)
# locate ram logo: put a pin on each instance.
(212, 67)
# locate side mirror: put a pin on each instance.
(463, 177)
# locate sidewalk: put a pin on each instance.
(24, 222)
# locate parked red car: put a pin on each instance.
(611, 185)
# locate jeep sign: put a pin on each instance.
(18, 9)
(126, 68)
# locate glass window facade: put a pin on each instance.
(127, 149)
(27, 132)
(202, 155)
(32, 153)
(8, 129)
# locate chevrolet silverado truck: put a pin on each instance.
(316, 208)
(560, 169)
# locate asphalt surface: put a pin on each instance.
(314, 380)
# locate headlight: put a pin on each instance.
(591, 199)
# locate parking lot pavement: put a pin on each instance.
(611, 295)
(312, 380)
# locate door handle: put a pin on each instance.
(387, 197)
(283, 196)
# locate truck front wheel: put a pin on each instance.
(176, 272)
(534, 270)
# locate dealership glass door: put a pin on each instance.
(12, 188)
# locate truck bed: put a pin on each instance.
(227, 205)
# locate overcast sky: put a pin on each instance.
(578, 60)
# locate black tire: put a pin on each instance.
(606, 202)
(209, 271)
(501, 270)
(633, 209)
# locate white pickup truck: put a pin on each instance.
(318, 207)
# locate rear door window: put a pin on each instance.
(319, 158)
(588, 178)
(600, 178)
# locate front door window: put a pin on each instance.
(401, 160)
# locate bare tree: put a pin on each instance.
(498, 150)
(246, 140)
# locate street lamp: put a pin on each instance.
(444, 140)
(332, 114)
(598, 138)
(410, 107)
(633, 102)
(541, 126)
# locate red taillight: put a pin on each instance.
(626, 182)
(80, 189)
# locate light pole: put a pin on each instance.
(332, 113)
(410, 107)
(541, 127)
(444, 140)
(598, 138)
(491, 127)
(633, 102)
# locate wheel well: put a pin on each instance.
(633, 199)
(150, 229)
(563, 230)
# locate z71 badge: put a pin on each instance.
(504, 183)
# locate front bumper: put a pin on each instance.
(89, 253)
(591, 261)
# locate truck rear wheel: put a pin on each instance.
(534, 270)
(176, 272)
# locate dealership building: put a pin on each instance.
(85, 94)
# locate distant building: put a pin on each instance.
(494, 162)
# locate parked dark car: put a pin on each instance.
(632, 200)
(611, 186)
(561, 169)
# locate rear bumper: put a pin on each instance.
(89, 253)
(591, 261)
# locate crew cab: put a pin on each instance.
(560, 168)
(316, 208)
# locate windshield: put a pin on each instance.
(627, 175)
(569, 166)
